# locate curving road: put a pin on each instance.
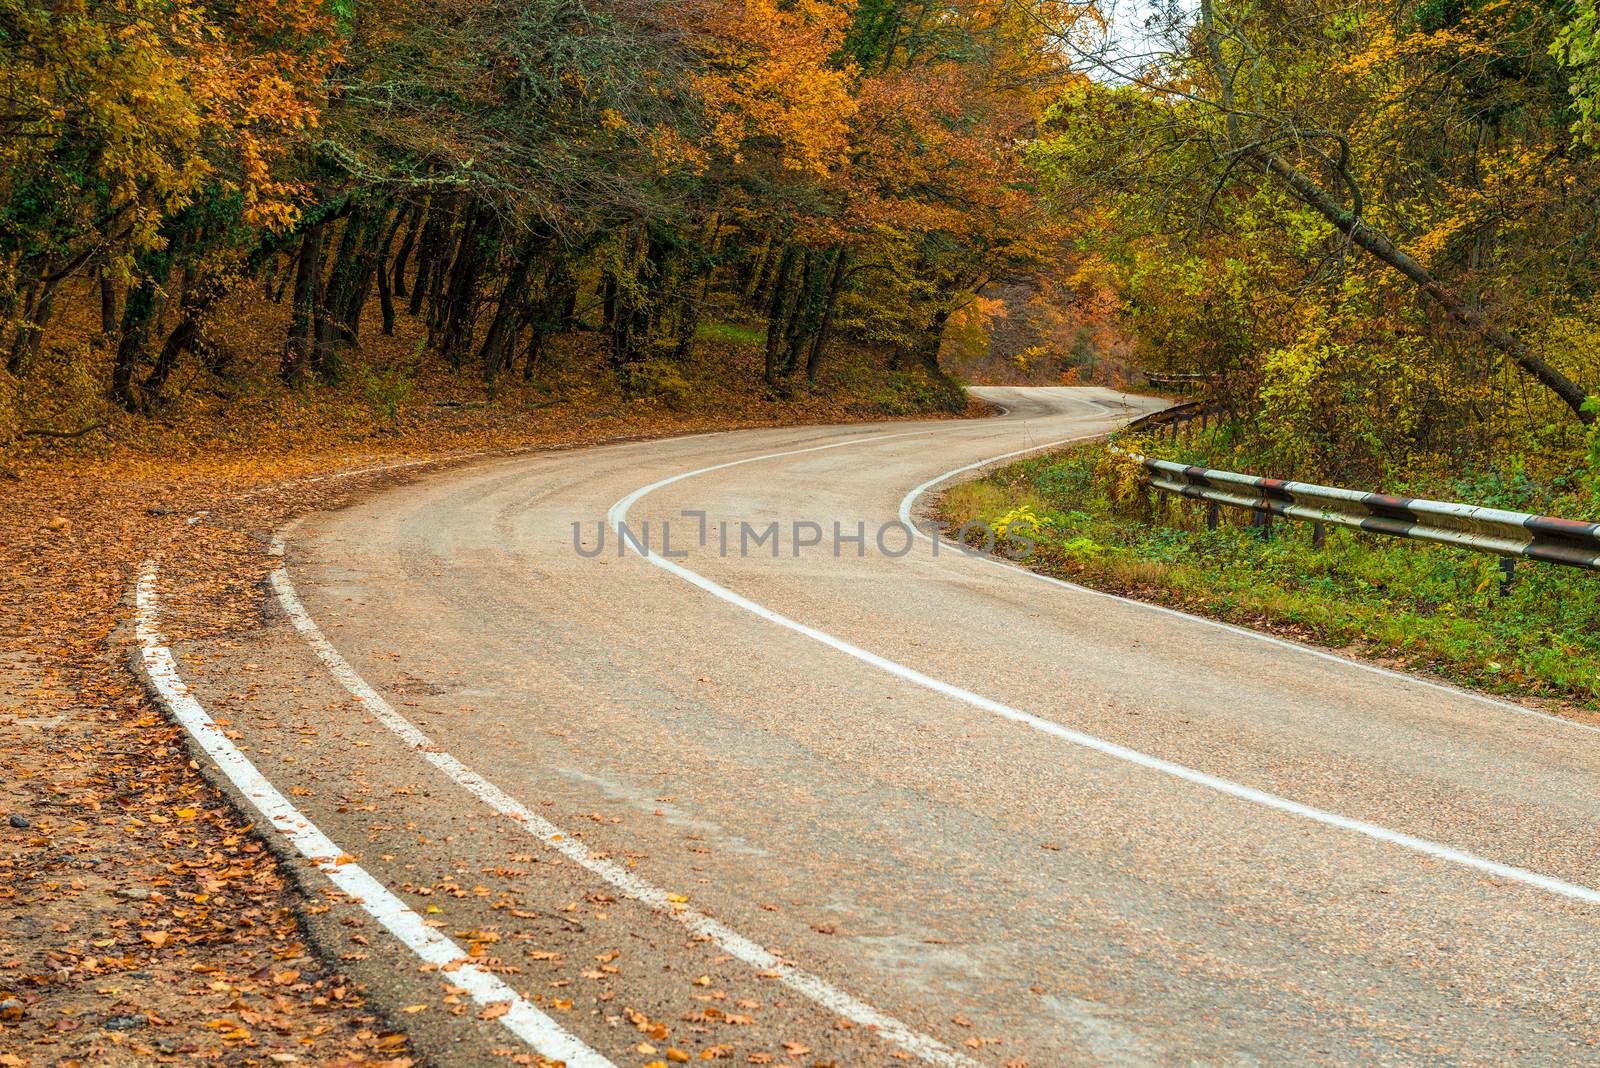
(884, 808)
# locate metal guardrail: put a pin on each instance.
(1467, 526)
(1160, 378)
(1169, 419)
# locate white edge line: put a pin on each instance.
(618, 514)
(546, 1037)
(819, 990)
(908, 502)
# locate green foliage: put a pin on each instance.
(1577, 46)
(385, 392)
(1357, 220)
(910, 392)
(657, 383)
(731, 333)
(1434, 608)
(1592, 450)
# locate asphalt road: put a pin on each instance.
(972, 817)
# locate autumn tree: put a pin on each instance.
(1325, 188)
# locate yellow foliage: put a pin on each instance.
(770, 73)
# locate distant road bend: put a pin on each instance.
(893, 806)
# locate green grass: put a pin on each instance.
(731, 333)
(1427, 607)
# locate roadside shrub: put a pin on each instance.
(913, 392)
(1432, 607)
(656, 383)
(384, 392)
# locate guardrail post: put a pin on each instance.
(1261, 519)
(1514, 535)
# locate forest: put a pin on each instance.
(484, 178)
(1369, 229)
(402, 289)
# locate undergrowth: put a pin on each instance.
(1427, 607)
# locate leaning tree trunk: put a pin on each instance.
(433, 247)
(830, 302)
(30, 332)
(297, 347)
(458, 320)
(108, 304)
(199, 298)
(1376, 244)
(138, 310)
(496, 352)
(398, 271)
(802, 313)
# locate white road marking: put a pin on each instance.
(819, 990)
(618, 514)
(908, 502)
(522, 1019)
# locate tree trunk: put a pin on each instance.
(108, 304)
(139, 309)
(385, 295)
(200, 297)
(398, 273)
(830, 302)
(297, 347)
(927, 352)
(496, 352)
(756, 266)
(460, 307)
(348, 281)
(368, 265)
(432, 250)
(777, 315)
(800, 312)
(1379, 246)
(30, 335)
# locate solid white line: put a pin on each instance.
(819, 990)
(618, 514)
(522, 1019)
(908, 502)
